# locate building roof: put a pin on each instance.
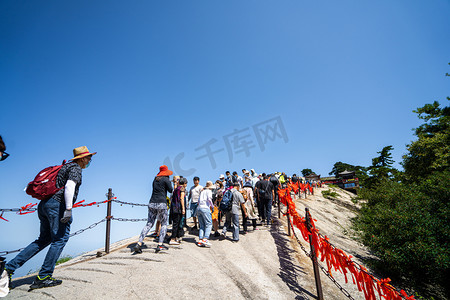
(347, 173)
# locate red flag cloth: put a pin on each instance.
(25, 209)
(336, 258)
(1, 217)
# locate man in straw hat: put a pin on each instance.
(55, 215)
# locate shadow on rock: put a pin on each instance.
(23, 281)
(288, 268)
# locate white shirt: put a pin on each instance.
(254, 181)
(239, 179)
(205, 199)
(194, 193)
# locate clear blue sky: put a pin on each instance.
(143, 81)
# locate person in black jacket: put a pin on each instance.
(157, 208)
(264, 191)
(276, 184)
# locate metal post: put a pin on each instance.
(108, 220)
(314, 257)
(288, 220)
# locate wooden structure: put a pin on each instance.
(312, 177)
(346, 180)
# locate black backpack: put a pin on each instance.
(274, 181)
(264, 192)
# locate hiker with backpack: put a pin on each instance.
(265, 192)
(276, 185)
(157, 208)
(231, 201)
(55, 215)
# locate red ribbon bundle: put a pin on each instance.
(336, 258)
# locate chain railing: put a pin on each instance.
(390, 291)
(322, 268)
(128, 220)
(71, 235)
(87, 228)
(129, 203)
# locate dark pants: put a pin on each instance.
(245, 223)
(261, 210)
(275, 202)
(267, 204)
(52, 232)
(231, 220)
(245, 219)
(176, 226)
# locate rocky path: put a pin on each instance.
(264, 264)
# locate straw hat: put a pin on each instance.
(81, 152)
(210, 185)
(164, 171)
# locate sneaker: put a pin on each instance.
(206, 243)
(200, 243)
(160, 247)
(47, 281)
(173, 242)
(10, 274)
(137, 249)
(216, 234)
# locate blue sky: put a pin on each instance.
(142, 82)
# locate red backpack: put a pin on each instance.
(44, 184)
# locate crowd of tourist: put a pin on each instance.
(246, 199)
(232, 198)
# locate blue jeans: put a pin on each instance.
(204, 223)
(193, 208)
(232, 218)
(268, 209)
(52, 232)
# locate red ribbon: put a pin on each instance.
(26, 209)
(336, 258)
(1, 217)
(23, 209)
